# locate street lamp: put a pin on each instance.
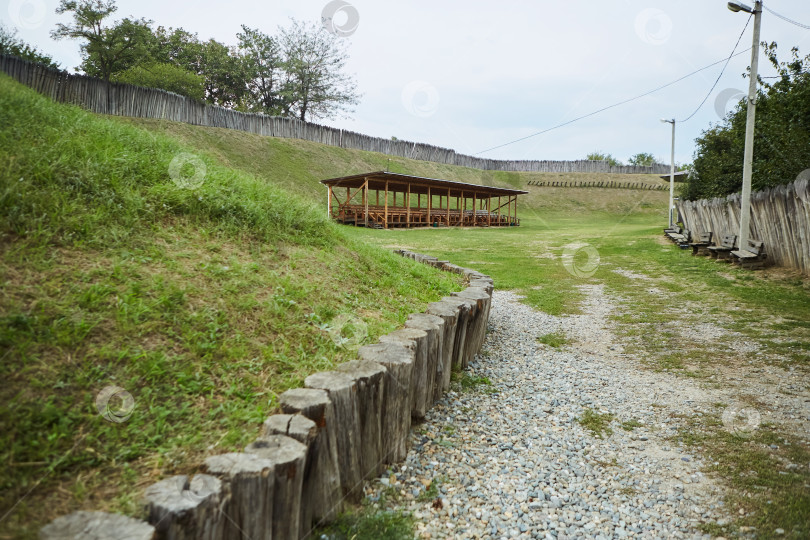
(671, 172)
(748, 159)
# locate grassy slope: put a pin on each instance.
(204, 304)
(623, 225)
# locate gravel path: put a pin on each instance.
(511, 460)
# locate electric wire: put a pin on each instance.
(721, 72)
(645, 94)
(786, 19)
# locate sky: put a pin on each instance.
(476, 74)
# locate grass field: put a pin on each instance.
(205, 303)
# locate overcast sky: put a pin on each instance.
(476, 74)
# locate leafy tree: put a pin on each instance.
(166, 76)
(106, 49)
(643, 160)
(315, 84)
(14, 46)
(225, 75)
(263, 63)
(599, 156)
(781, 136)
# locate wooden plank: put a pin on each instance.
(365, 202)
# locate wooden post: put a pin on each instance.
(415, 340)
(342, 391)
(181, 509)
(433, 326)
(288, 457)
(463, 211)
(303, 430)
(408, 207)
(386, 204)
(499, 211)
(430, 206)
(509, 211)
(365, 202)
(249, 508)
(324, 479)
(97, 525)
(449, 314)
(396, 424)
(371, 393)
(448, 207)
(329, 203)
(489, 215)
(377, 191)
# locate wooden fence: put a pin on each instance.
(117, 99)
(780, 217)
(600, 184)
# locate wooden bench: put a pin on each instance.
(752, 257)
(682, 239)
(704, 241)
(677, 235)
(725, 248)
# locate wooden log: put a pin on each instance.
(180, 509)
(323, 481)
(303, 430)
(289, 459)
(478, 325)
(96, 526)
(433, 326)
(398, 361)
(247, 494)
(417, 341)
(449, 313)
(342, 392)
(371, 394)
(468, 310)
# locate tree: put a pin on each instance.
(643, 160)
(12, 45)
(781, 136)
(315, 84)
(165, 76)
(599, 156)
(263, 63)
(106, 49)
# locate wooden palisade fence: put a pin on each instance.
(118, 99)
(780, 217)
(345, 427)
(600, 184)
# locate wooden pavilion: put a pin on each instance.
(385, 200)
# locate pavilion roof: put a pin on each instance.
(377, 181)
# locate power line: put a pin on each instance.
(611, 106)
(791, 21)
(721, 72)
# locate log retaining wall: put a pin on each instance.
(343, 429)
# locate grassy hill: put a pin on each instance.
(204, 304)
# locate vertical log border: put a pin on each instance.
(279, 475)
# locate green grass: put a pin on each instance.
(206, 303)
(554, 339)
(462, 381)
(769, 485)
(630, 425)
(596, 423)
(369, 524)
(203, 304)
